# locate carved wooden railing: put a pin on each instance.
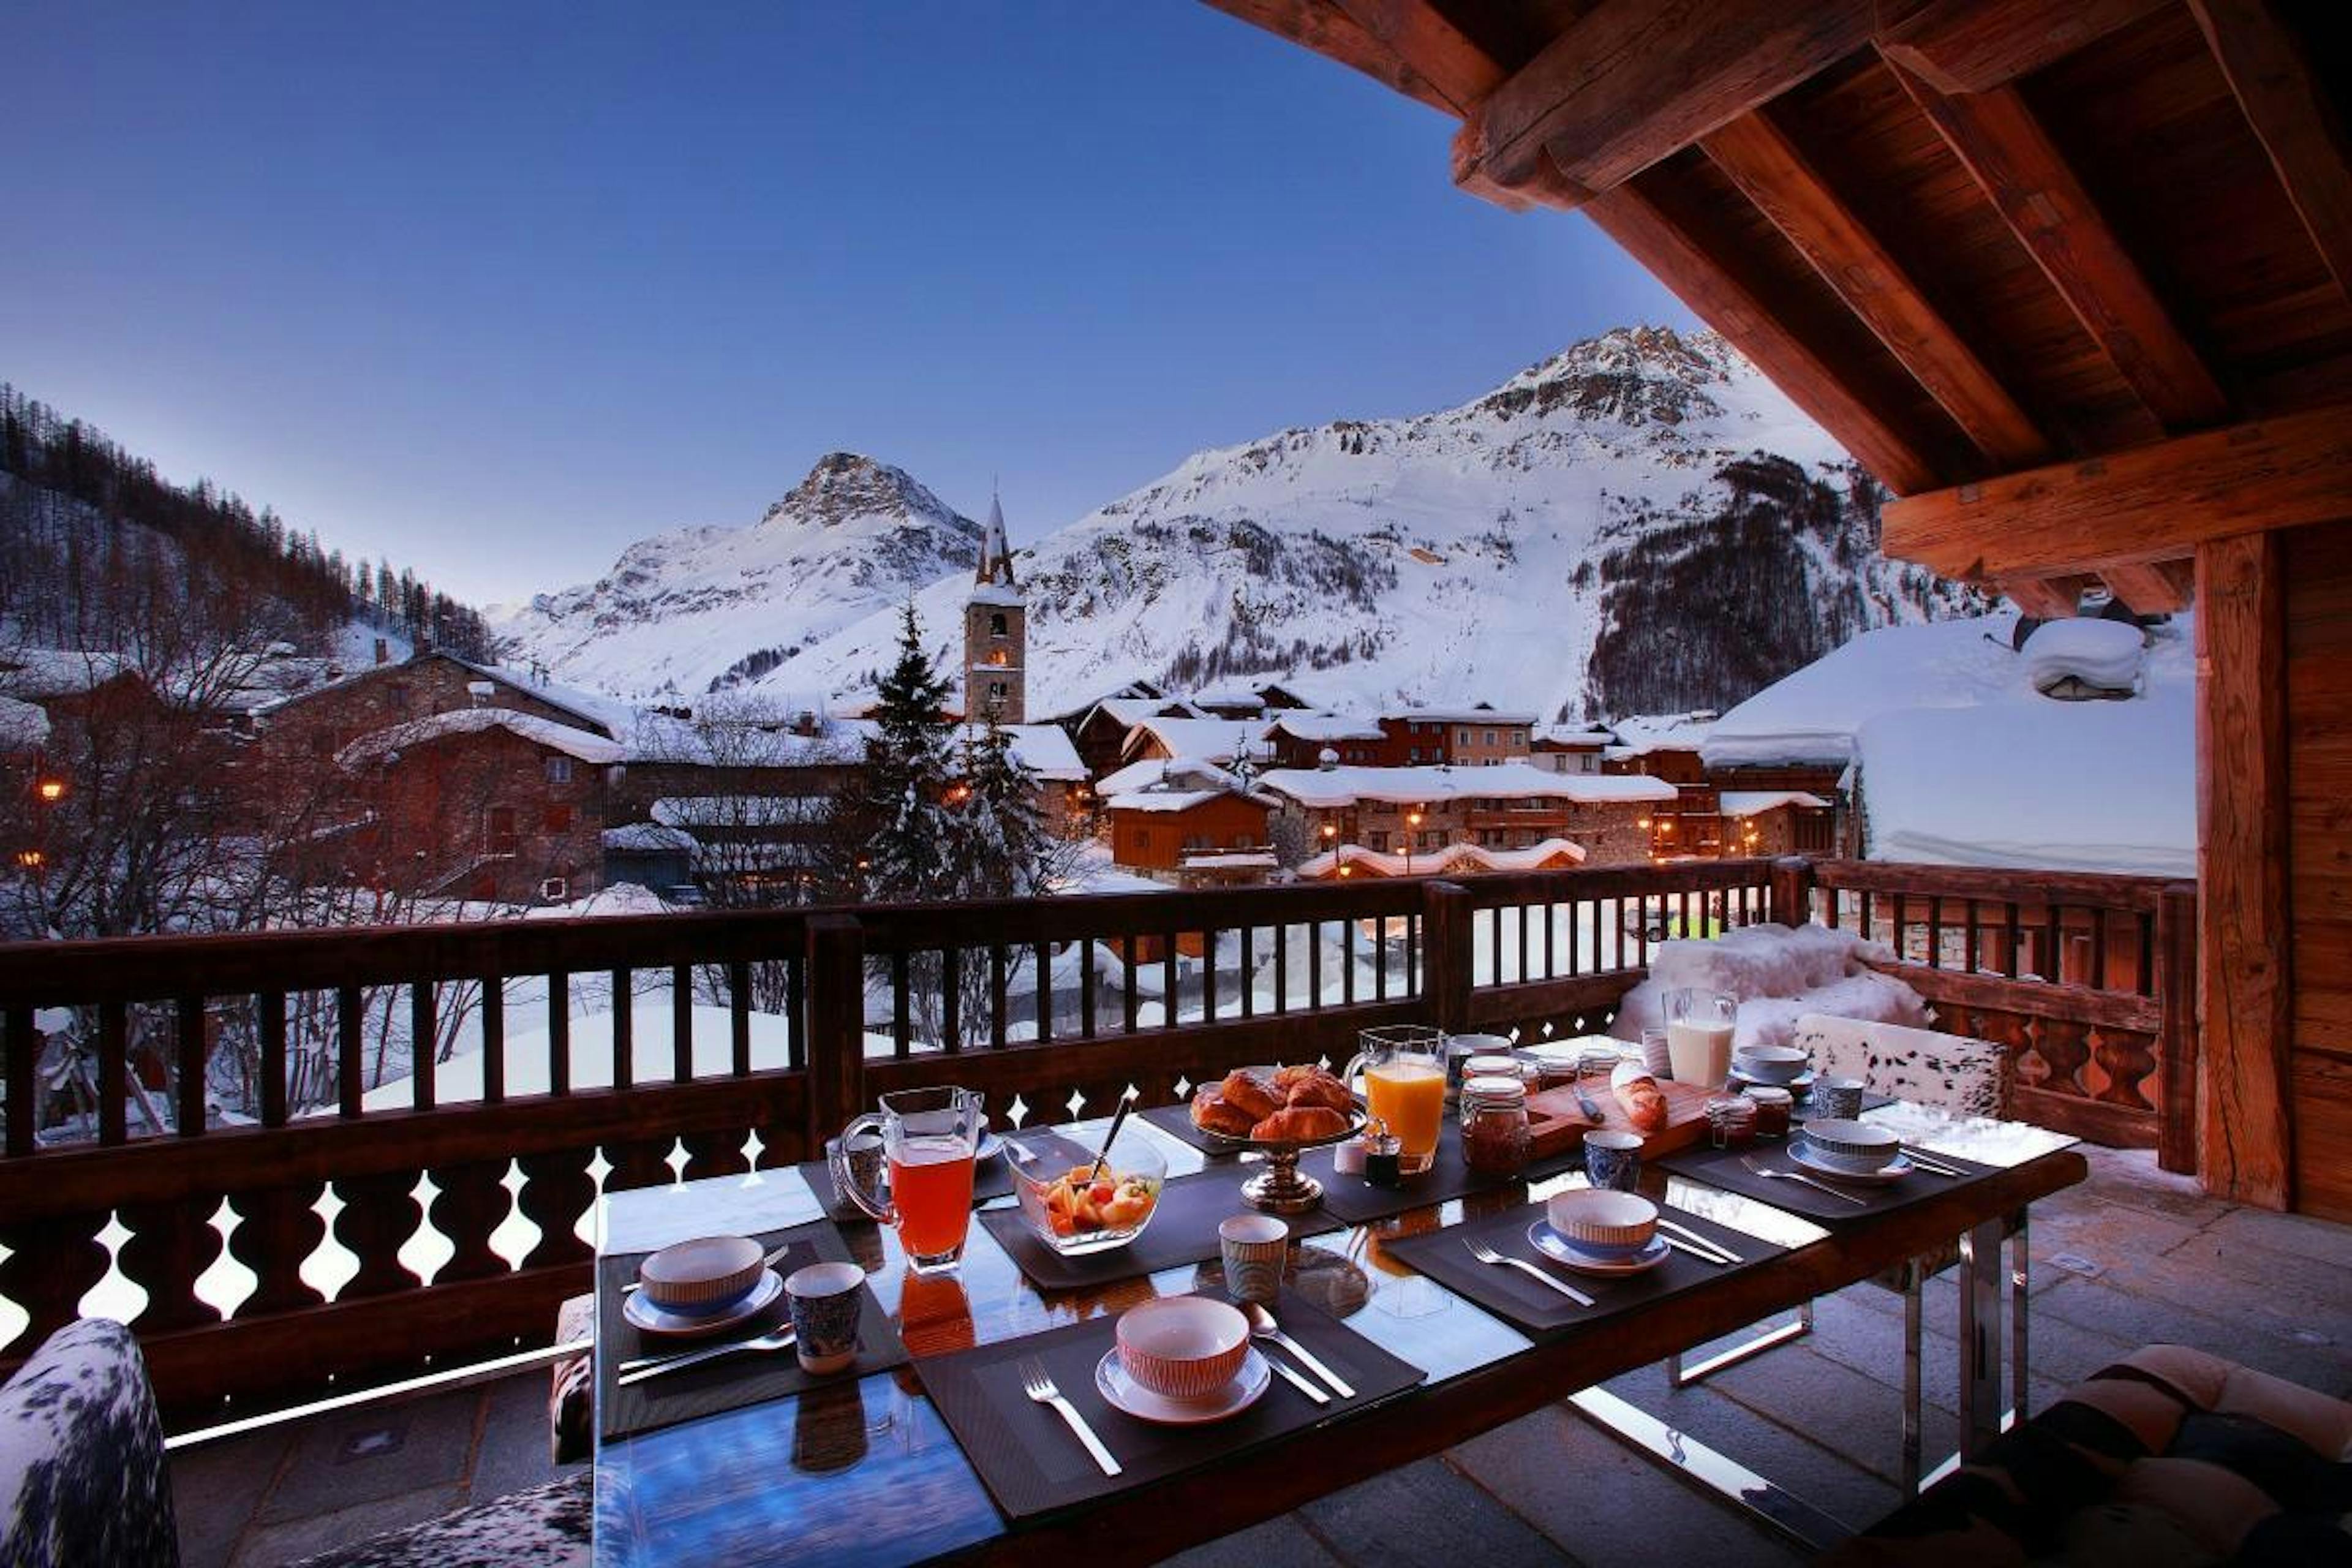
(353, 1240)
(2089, 980)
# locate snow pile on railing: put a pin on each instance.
(1779, 973)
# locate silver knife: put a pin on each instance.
(1308, 1360)
(1679, 1245)
(1295, 1380)
(1708, 1242)
(1585, 1102)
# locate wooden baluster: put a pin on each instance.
(2008, 946)
(557, 1191)
(113, 1073)
(1412, 986)
(51, 1264)
(2127, 1060)
(952, 998)
(1086, 956)
(624, 1029)
(279, 1229)
(171, 1244)
(2065, 1045)
(188, 1067)
(999, 1009)
(379, 1214)
(351, 1020)
(738, 1017)
(1133, 954)
(902, 1022)
(1209, 975)
(24, 1049)
(269, 1025)
(1348, 960)
(469, 1205)
(494, 1039)
(1168, 979)
(1315, 967)
(716, 1154)
(681, 1024)
(2099, 949)
(1247, 979)
(639, 1162)
(559, 1032)
(1281, 966)
(796, 1012)
(1969, 954)
(1044, 957)
(1935, 930)
(424, 1041)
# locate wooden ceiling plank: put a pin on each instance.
(1776, 175)
(2289, 110)
(2151, 503)
(1975, 46)
(1630, 81)
(2011, 158)
(2152, 587)
(1332, 33)
(1684, 265)
(1417, 33)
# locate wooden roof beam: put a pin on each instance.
(2151, 503)
(1759, 158)
(1418, 33)
(2290, 111)
(1630, 81)
(2012, 160)
(1684, 265)
(2151, 586)
(1975, 46)
(1331, 31)
(2048, 598)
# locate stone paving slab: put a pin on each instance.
(1426, 1512)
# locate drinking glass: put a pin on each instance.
(1404, 1086)
(1698, 1035)
(929, 1137)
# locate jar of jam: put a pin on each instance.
(1773, 1108)
(1495, 1064)
(1731, 1121)
(1495, 1139)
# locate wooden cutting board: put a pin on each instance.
(1559, 1124)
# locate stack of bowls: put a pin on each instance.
(1777, 1064)
(703, 1277)
(1603, 1222)
(1856, 1146)
(1182, 1347)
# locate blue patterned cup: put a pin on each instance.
(1254, 1246)
(1613, 1160)
(826, 1298)
(1837, 1099)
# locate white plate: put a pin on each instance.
(1894, 1171)
(1124, 1393)
(1795, 1085)
(652, 1320)
(1560, 1249)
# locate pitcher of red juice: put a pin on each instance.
(929, 1137)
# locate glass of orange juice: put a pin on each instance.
(929, 1138)
(1404, 1086)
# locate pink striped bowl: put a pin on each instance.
(708, 1274)
(1183, 1347)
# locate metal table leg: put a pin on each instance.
(1913, 1292)
(1981, 1337)
(1680, 1374)
(1701, 1465)
(2020, 1267)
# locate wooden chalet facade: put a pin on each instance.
(2074, 280)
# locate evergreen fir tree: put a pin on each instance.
(901, 795)
(1000, 836)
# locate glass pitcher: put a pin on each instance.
(929, 1140)
(1404, 1086)
(1699, 1025)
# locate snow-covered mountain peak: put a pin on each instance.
(847, 486)
(1633, 375)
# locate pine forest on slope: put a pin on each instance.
(1641, 523)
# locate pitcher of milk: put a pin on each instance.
(1698, 1035)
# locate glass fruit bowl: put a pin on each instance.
(1075, 1209)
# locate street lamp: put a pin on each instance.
(51, 791)
(1413, 831)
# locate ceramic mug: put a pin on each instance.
(1837, 1099)
(1612, 1160)
(826, 1299)
(1253, 1246)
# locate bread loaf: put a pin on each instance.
(1645, 1103)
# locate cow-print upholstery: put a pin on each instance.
(549, 1526)
(1952, 1072)
(82, 1457)
(571, 1388)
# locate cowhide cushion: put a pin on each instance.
(571, 1386)
(549, 1526)
(1953, 1072)
(82, 1476)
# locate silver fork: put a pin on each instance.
(638, 1370)
(1749, 1161)
(1485, 1253)
(1040, 1387)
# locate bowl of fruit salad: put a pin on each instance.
(1077, 1208)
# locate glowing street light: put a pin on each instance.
(1413, 831)
(51, 791)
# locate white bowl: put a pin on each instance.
(1861, 1140)
(1771, 1064)
(1603, 1221)
(1183, 1347)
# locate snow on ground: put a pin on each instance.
(1963, 762)
(1779, 974)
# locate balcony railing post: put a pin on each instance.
(1448, 912)
(836, 1017)
(2176, 1046)
(1792, 890)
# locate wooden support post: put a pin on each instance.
(2245, 1137)
(1792, 890)
(837, 1015)
(2176, 1054)
(1447, 917)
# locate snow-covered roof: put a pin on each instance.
(1963, 763)
(1003, 594)
(739, 810)
(1211, 740)
(1447, 860)
(1328, 726)
(1230, 861)
(1585, 737)
(1329, 787)
(1129, 712)
(1178, 772)
(1756, 802)
(38, 672)
(594, 750)
(24, 726)
(1046, 752)
(1228, 697)
(716, 743)
(646, 838)
(1472, 714)
(1647, 733)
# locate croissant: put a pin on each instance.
(1644, 1102)
(1211, 1112)
(1312, 1085)
(1253, 1092)
(1300, 1123)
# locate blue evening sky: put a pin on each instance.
(495, 288)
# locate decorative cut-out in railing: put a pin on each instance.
(116, 1296)
(227, 1284)
(517, 1234)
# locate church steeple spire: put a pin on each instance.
(995, 554)
(995, 631)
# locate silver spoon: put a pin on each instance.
(638, 1370)
(1264, 1327)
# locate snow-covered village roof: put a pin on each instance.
(1449, 858)
(1329, 727)
(1228, 697)
(1647, 733)
(717, 743)
(1330, 787)
(1175, 784)
(739, 810)
(1211, 740)
(648, 838)
(39, 672)
(1044, 751)
(1756, 802)
(1474, 713)
(578, 743)
(1961, 761)
(1129, 712)
(24, 726)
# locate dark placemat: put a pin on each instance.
(1184, 1230)
(729, 1382)
(1032, 1463)
(1177, 1121)
(1723, 1168)
(1445, 1256)
(1357, 1201)
(991, 1179)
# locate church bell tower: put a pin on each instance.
(995, 632)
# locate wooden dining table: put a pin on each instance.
(866, 1471)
